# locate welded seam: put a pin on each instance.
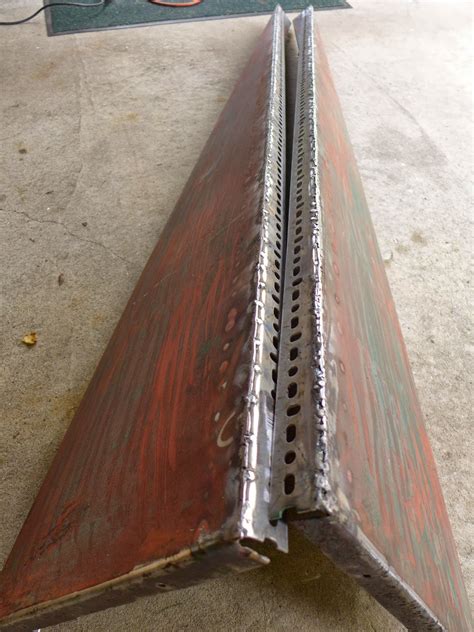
(259, 425)
(319, 369)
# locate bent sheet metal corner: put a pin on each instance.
(165, 467)
(352, 460)
(257, 375)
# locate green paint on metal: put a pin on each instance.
(210, 345)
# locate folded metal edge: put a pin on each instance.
(357, 556)
(185, 569)
(213, 557)
(301, 487)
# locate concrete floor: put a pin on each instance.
(99, 133)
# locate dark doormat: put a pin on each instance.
(123, 13)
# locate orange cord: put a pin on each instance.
(163, 3)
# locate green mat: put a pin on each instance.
(120, 13)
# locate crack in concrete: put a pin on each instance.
(70, 233)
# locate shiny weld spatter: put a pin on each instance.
(352, 461)
(165, 467)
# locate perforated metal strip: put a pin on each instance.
(258, 436)
(298, 392)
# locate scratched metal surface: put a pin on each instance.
(353, 456)
(168, 454)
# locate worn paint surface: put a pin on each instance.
(381, 475)
(152, 463)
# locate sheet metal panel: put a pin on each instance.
(167, 460)
(351, 451)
